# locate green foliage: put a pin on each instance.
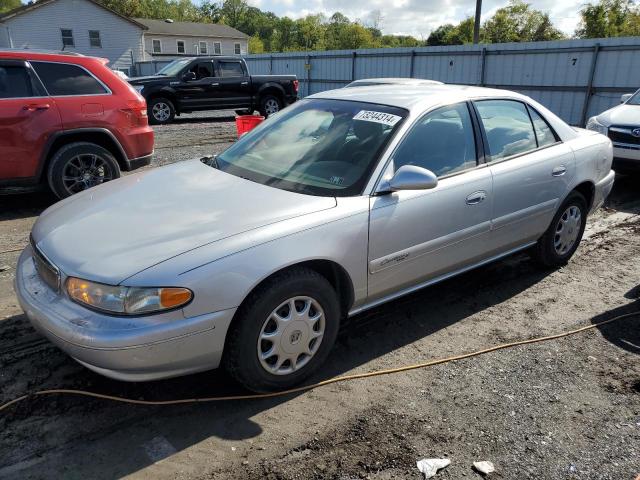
(609, 18)
(518, 22)
(6, 5)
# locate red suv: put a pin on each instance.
(69, 121)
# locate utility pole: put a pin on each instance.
(476, 25)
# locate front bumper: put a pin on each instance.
(603, 189)
(626, 156)
(125, 348)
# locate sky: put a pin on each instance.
(418, 17)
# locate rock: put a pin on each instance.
(4, 268)
(484, 467)
(430, 466)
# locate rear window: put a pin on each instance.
(62, 79)
(230, 69)
(15, 82)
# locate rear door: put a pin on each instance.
(419, 235)
(28, 117)
(235, 83)
(531, 170)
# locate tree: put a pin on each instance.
(7, 5)
(255, 45)
(609, 18)
(518, 22)
(441, 35)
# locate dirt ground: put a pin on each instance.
(567, 409)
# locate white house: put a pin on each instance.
(169, 39)
(90, 28)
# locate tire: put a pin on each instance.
(80, 165)
(270, 104)
(313, 294)
(560, 241)
(244, 112)
(161, 111)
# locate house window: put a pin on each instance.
(217, 48)
(67, 37)
(157, 46)
(203, 48)
(237, 48)
(94, 38)
(180, 44)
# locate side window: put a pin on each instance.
(62, 79)
(203, 48)
(156, 45)
(202, 70)
(544, 134)
(508, 127)
(442, 141)
(230, 69)
(217, 48)
(236, 48)
(94, 38)
(16, 82)
(67, 37)
(180, 46)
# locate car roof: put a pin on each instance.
(416, 97)
(396, 81)
(44, 55)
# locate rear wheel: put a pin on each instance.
(270, 104)
(560, 241)
(283, 332)
(79, 166)
(161, 111)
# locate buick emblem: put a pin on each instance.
(295, 337)
(635, 132)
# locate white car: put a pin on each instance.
(622, 125)
(372, 82)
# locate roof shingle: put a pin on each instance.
(193, 29)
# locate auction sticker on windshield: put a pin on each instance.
(377, 117)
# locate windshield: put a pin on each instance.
(318, 147)
(172, 69)
(635, 100)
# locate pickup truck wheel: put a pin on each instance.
(283, 331)
(79, 166)
(160, 111)
(270, 104)
(560, 241)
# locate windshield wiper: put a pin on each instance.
(211, 161)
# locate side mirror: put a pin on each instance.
(410, 177)
(625, 97)
(189, 77)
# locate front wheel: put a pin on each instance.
(270, 104)
(283, 332)
(560, 241)
(79, 166)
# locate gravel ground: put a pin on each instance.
(567, 409)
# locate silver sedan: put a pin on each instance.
(348, 199)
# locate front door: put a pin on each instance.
(418, 235)
(28, 117)
(200, 92)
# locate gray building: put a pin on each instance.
(90, 28)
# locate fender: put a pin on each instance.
(52, 139)
(272, 85)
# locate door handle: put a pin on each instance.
(215, 84)
(476, 197)
(559, 171)
(244, 83)
(32, 107)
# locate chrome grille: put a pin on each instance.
(46, 270)
(624, 135)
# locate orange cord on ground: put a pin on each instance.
(329, 381)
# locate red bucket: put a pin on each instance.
(244, 123)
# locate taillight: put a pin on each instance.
(295, 85)
(137, 113)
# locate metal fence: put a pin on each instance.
(573, 78)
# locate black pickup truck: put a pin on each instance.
(213, 83)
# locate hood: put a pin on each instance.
(148, 79)
(111, 232)
(627, 115)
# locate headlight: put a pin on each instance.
(126, 300)
(596, 126)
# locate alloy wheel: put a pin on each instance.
(271, 106)
(291, 335)
(161, 111)
(85, 171)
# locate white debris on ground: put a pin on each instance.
(484, 467)
(430, 466)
